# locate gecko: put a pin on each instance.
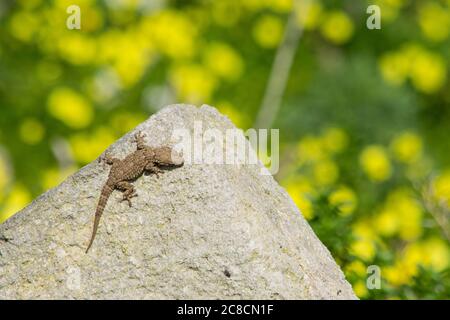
(145, 159)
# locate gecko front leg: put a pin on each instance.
(152, 168)
(128, 191)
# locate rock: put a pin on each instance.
(198, 232)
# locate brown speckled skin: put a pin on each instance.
(123, 172)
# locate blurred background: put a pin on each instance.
(364, 115)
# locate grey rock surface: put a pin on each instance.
(198, 232)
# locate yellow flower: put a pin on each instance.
(389, 8)
(360, 289)
(397, 274)
(345, 199)
(309, 14)
(407, 147)
(86, 147)
(15, 201)
(356, 267)
(23, 25)
(441, 186)
(364, 245)
(434, 21)
(227, 108)
(386, 222)
(394, 68)
(224, 61)
(193, 83)
(325, 172)
(173, 33)
(31, 131)
(77, 48)
(428, 72)
(335, 140)
(70, 107)
(337, 27)
(281, 6)
(375, 163)
(408, 211)
(125, 121)
(268, 31)
(29, 4)
(301, 191)
(226, 13)
(310, 149)
(363, 248)
(5, 175)
(437, 254)
(52, 177)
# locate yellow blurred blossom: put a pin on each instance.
(123, 122)
(428, 72)
(172, 32)
(31, 131)
(437, 253)
(335, 139)
(268, 31)
(87, 147)
(129, 53)
(224, 61)
(434, 20)
(226, 13)
(364, 245)
(397, 274)
(18, 198)
(345, 199)
(394, 67)
(311, 148)
(300, 191)
(375, 163)
(357, 267)
(193, 83)
(29, 4)
(363, 248)
(407, 147)
(309, 14)
(239, 119)
(386, 222)
(389, 8)
(360, 289)
(23, 25)
(337, 27)
(5, 175)
(408, 212)
(431, 253)
(77, 48)
(281, 6)
(364, 230)
(441, 186)
(325, 172)
(53, 176)
(70, 107)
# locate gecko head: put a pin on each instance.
(166, 156)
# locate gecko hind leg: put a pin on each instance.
(128, 191)
(151, 168)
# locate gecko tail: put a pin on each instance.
(104, 196)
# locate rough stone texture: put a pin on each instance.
(200, 231)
